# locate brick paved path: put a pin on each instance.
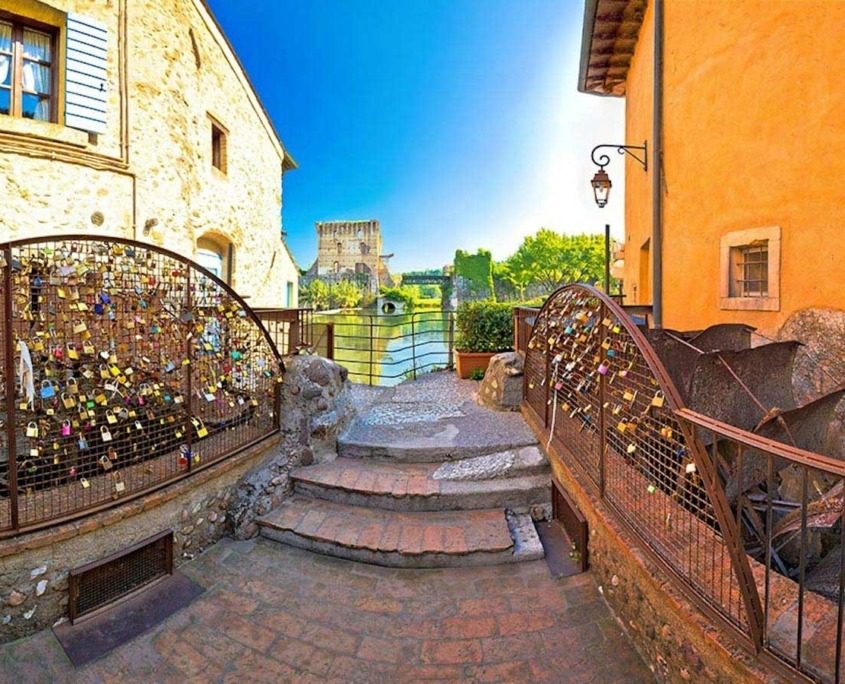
(277, 614)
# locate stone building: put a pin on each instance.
(350, 250)
(134, 118)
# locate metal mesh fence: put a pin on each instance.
(607, 414)
(130, 367)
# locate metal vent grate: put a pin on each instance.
(103, 582)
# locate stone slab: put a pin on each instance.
(417, 487)
(396, 539)
(434, 418)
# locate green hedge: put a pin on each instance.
(484, 327)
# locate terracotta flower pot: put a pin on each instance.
(467, 362)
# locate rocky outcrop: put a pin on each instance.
(820, 361)
(501, 388)
(316, 405)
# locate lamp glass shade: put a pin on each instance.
(601, 187)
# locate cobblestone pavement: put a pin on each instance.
(277, 614)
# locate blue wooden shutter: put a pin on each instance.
(85, 67)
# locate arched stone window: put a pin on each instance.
(216, 254)
(340, 248)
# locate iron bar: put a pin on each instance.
(840, 607)
(371, 351)
(603, 160)
(802, 568)
(413, 349)
(9, 370)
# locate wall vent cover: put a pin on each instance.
(103, 582)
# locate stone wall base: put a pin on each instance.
(34, 566)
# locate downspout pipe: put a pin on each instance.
(657, 174)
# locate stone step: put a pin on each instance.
(435, 449)
(432, 419)
(403, 539)
(513, 480)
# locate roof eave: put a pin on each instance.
(587, 45)
(615, 26)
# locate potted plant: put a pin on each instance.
(484, 329)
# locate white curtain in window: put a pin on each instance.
(5, 37)
(5, 46)
(36, 46)
(36, 78)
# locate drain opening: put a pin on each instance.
(566, 513)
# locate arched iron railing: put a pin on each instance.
(125, 367)
(608, 408)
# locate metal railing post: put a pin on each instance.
(371, 351)
(294, 335)
(330, 341)
(9, 340)
(189, 404)
(451, 341)
(413, 348)
(602, 409)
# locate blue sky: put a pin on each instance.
(456, 123)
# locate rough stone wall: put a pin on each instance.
(359, 244)
(34, 568)
(155, 170)
(501, 388)
(316, 407)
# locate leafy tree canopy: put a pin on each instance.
(552, 259)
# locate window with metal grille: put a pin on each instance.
(751, 270)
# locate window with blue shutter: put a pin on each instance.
(27, 70)
(86, 66)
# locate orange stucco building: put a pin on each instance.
(745, 122)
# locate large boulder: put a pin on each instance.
(316, 406)
(501, 388)
(820, 363)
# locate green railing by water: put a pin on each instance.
(387, 349)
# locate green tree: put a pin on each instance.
(409, 294)
(345, 295)
(551, 259)
(315, 294)
(515, 276)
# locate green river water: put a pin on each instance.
(385, 350)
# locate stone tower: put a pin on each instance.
(351, 250)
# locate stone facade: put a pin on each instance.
(316, 407)
(170, 73)
(349, 250)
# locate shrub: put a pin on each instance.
(484, 327)
(477, 374)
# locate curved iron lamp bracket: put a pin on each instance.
(603, 160)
